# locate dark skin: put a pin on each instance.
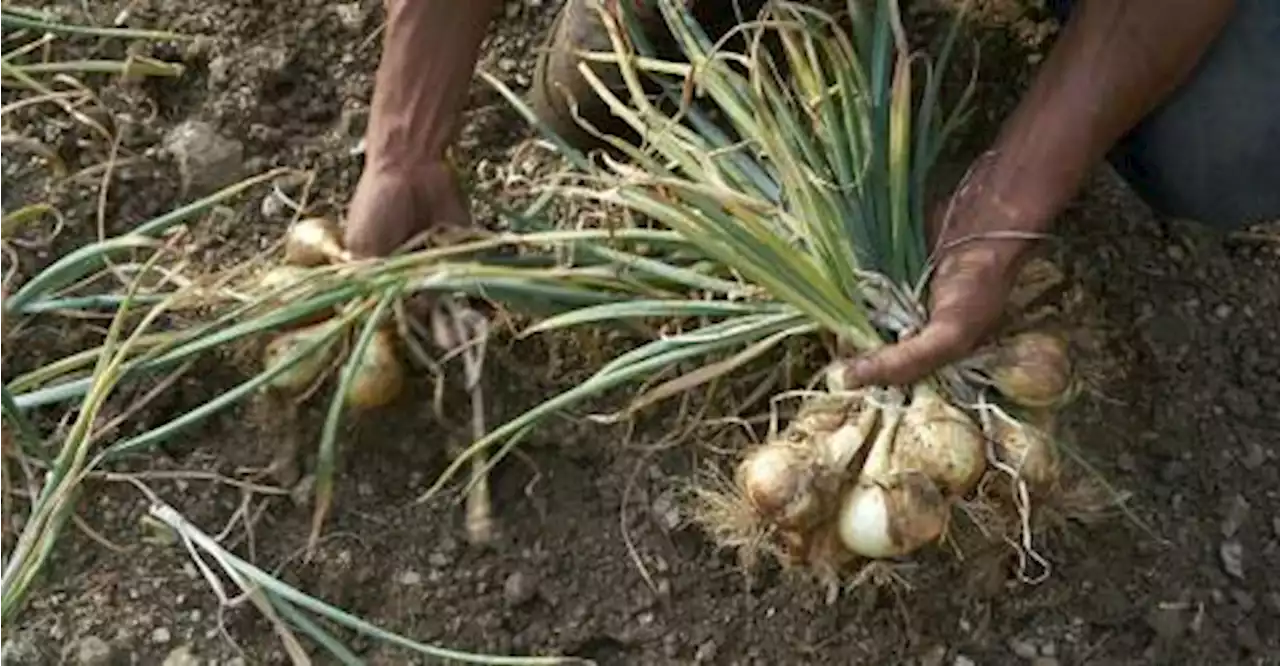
(1114, 62)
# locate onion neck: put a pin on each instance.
(880, 460)
(848, 447)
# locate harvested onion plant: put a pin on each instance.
(317, 317)
(799, 170)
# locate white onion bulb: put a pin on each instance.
(314, 241)
(941, 441)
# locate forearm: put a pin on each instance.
(429, 54)
(1114, 62)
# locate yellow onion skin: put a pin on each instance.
(314, 241)
(892, 516)
(777, 480)
(379, 377)
(279, 278)
(1028, 449)
(941, 441)
(301, 374)
(1033, 369)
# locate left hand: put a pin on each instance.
(967, 291)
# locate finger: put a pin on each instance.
(939, 343)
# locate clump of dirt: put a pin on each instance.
(596, 556)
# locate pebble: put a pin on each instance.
(439, 560)
(1236, 515)
(409, 578)
(962, 660)
(93, 651)
(519, 589)
(349, 15)
(667, 511)
(933, 656)
(706, 653)
(206, 160)
(161, 635)
(181, 656)
(1023, 648)
(1232, 554)
(1244, 600)
(1044, 661)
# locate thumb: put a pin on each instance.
(938, 343)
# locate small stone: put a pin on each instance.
(1049, 649)
(1024, 649)
(349, 15)
(1236, 515)
(161, 635)
(302, 491)
(93, 651)
(519, 589)
(206, 160)
(1275, 526)
(934, 656)
(181, 656)
(507, 64)
(962, 660)
(1223, 311)
(409, 578)
(706, 653)
(1044, 661)
(439, 560)
(1232, 554)
(1254, 456)
(1244, 600)
(1175, 252)
(666, 511)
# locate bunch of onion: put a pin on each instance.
(799, 174)
(377, 377)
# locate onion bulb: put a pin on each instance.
(939, 440)
(1032, 369)
(379, 376)
(302, 373)
(1028, 449)
(776, 478)
(281, 277)
(314, 241)
(834, 377)
(277, 282)
(890, 513)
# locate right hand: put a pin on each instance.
(393, 204)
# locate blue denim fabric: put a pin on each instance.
(1211, 152)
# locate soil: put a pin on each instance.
(594, 557)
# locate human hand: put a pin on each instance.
(393, 204)
(977, 267)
